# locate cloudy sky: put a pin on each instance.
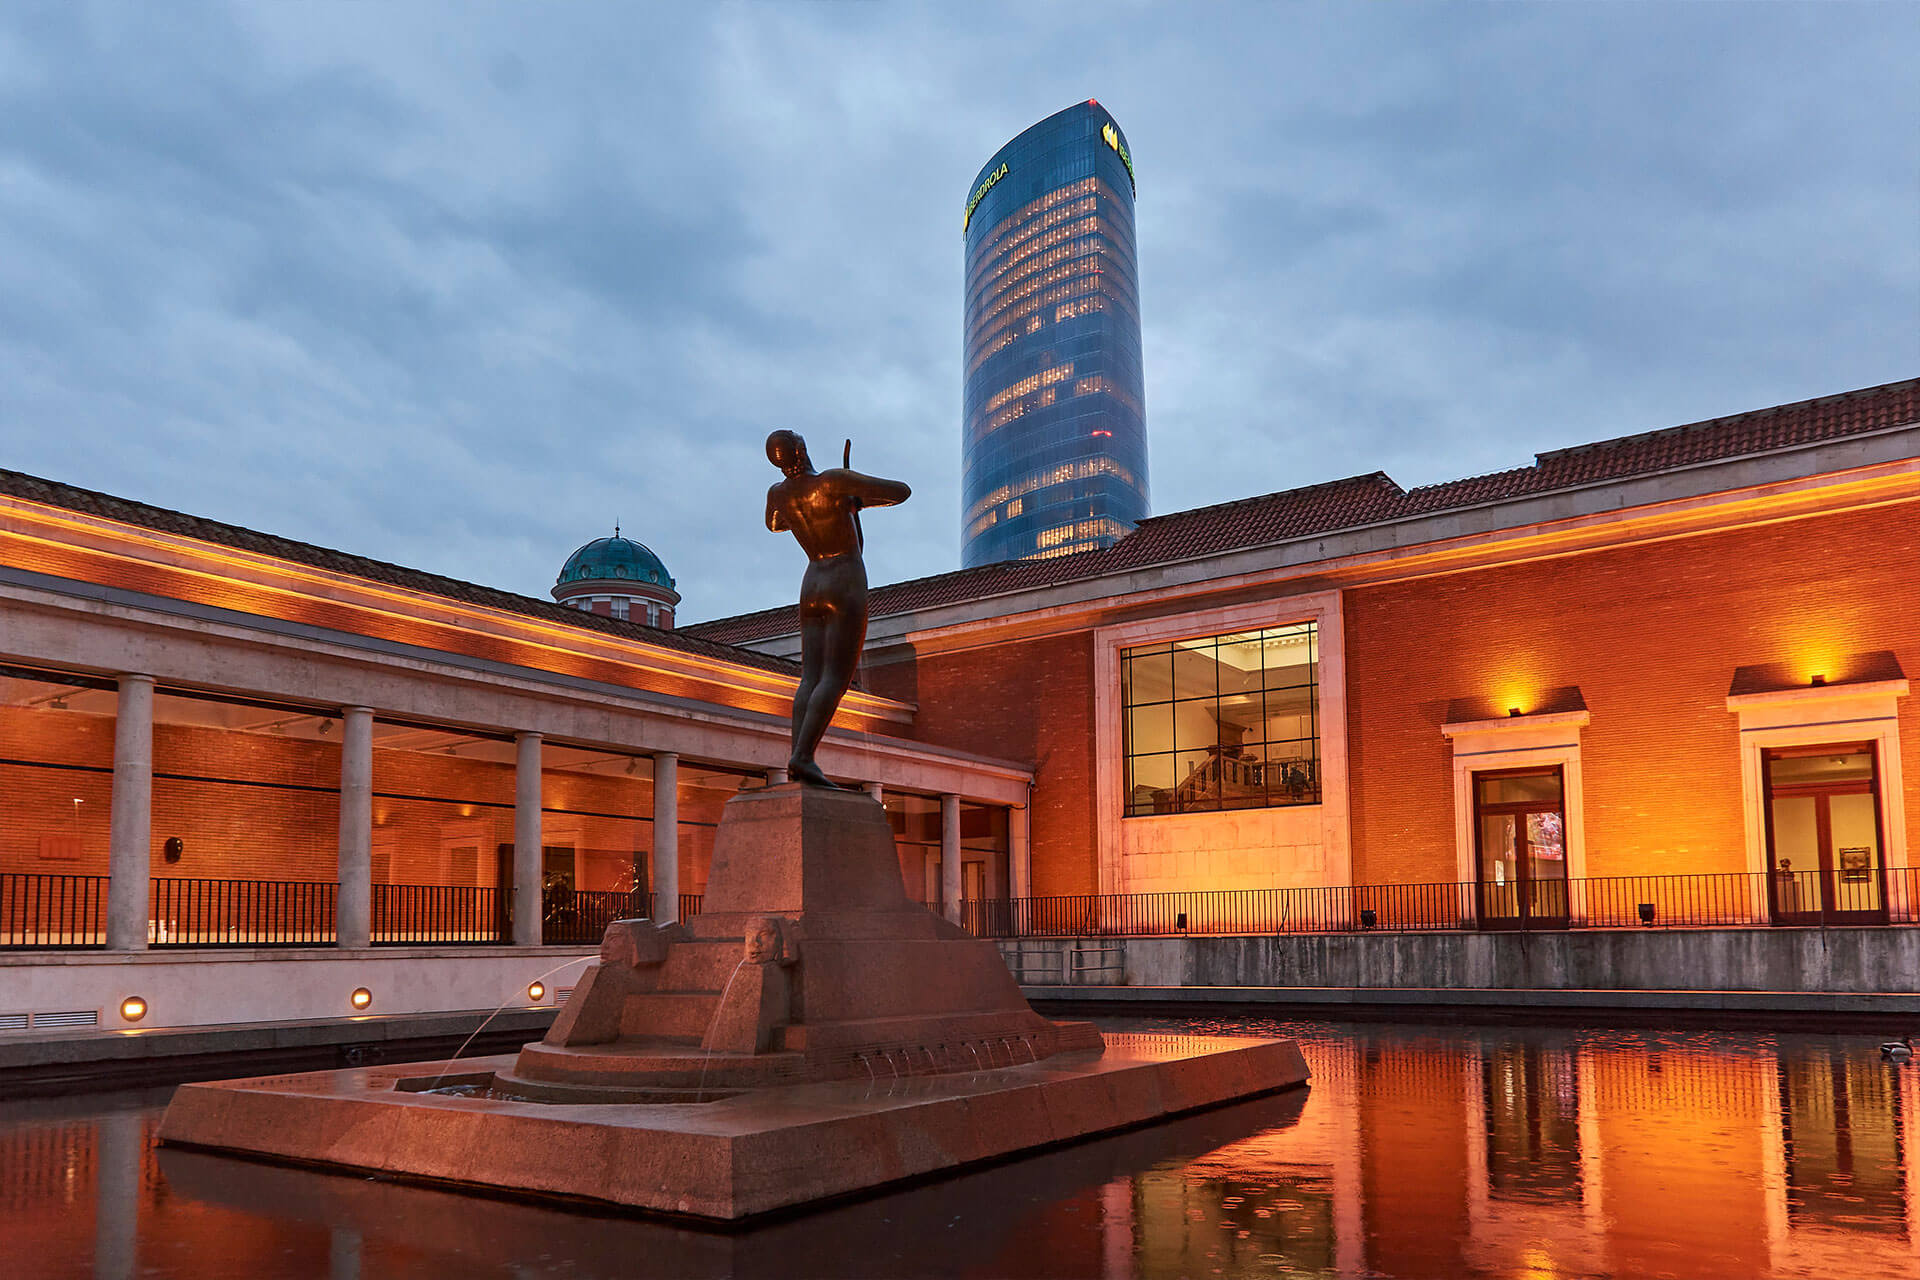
(459, 285)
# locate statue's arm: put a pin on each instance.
(872, 491)
(775, 520)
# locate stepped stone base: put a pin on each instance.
(851, 978)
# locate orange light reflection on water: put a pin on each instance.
(1419, 1151)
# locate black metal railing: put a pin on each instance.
(49, 912)
(1705, 900)
(578, 917)
(433, 915)
(46, 912)
(242, 913)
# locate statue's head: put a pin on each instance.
(787, 451)
(766, 942)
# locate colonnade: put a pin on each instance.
(129, 890)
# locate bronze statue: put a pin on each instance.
(822, 508)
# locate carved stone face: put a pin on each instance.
(763, 941)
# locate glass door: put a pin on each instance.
(1823, 835)
(1521, 831)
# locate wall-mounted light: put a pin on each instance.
(360, 998)
(1818, 679)
(326, 726)
(536, 991)
(133, 1008)
(58, 704)
(173, 848)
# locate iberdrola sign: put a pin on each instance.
(1112, 135)
(980, 193)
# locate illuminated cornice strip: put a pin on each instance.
(226, 572)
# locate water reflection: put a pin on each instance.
(1418, 1152)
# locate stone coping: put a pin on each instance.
(1518, 999)
(724, 1161)
(262, 955)
(28, 1049)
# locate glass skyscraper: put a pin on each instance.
(1055, 446)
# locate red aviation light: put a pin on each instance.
(1099, 431)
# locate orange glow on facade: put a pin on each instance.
(49, 540)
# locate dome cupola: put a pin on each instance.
(619, 578)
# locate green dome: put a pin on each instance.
(615, 558)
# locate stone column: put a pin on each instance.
(950, 855)
(528, 908)
(1020, 850)
(129, 858)
(878, 792)
(353, 916)
(666, 837)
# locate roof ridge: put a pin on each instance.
(99, 503)
(1379, 477)
(1472, 479)
(1727, 419)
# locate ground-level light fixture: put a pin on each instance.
(1818, 679)
(1646, 913)
(133, 1008)
(1369, 919)
(1513, 711)
(536, 991)
(360, 998)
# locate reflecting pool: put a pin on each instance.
(1420, 1151)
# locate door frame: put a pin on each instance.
(1813, 715)
(1524, 917)
(1517, 742)
(1829, 913)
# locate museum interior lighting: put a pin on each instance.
(536, 991)
(133, 1008)
(360, 998)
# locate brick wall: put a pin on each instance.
(252, 806)
(1032, 703)
(42, 830)
(1651, 635)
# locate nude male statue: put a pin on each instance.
(822, 510)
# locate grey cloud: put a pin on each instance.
(458, 286)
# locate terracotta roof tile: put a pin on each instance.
(35, 489)
(1374, 497)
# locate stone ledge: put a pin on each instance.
(1518, 999)
(76, 1048)
(261, 955)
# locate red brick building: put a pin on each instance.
(1679, 654)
